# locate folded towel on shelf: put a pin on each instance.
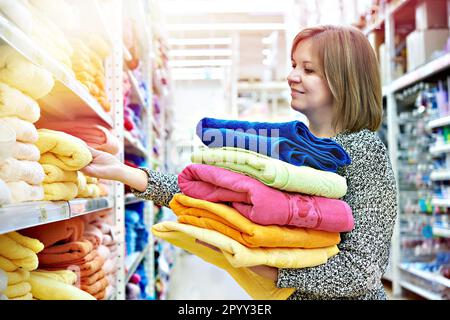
(262, 204)
(101, 294)
(17, 13)
(34, 244)
(25, 151)
(230, 222)
(63, 150)
(94, 235)
(3, 280)
(25, 131)
(7, 141)
(63, 261)
(241, 256)
(12, 250)
(61, 231)
(18, 276)
(103, 251)
(256, 286)
(14, 103)
(91, 180)
(5, 194)
(64, 276)
(274, 173)
(92, 279)
(22, 192)
(20, 73)
(56, 174)
(60, 191)
(95, 135)
(17, 290)
(29, 263)
(89, 191)
(28, 296)
(75, 252)
(96, 287)
(45, 288)
(288, 141)
(22, 170)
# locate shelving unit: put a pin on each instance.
(69, 100)
(394, 14)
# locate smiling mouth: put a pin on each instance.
(297, 91)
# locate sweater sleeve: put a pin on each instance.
(364, 252)
(161, 187)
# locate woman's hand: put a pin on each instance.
(106, 166)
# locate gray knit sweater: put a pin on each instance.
(356, 271)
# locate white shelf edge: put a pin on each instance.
(133, 261)
(30, 214)
(441, 202)
(439, 149)
(136, 90)
(427, 275)
(440, 175)
(420, 291)
(17, 39)
(134, 144)
(131, 199)
(441, 232)
(440, 122)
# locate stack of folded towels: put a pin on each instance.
(263, 195)
(62, 155)
(73, 245)
(21, 84)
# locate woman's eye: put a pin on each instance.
(309, 71)
(293, 66)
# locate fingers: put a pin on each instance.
(94, 152)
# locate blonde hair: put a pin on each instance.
(349, 65)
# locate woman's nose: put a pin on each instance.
(293, 76)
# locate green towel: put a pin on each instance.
(274, 173)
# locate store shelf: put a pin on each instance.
(441, 232)
(130, 199)
(134, 144)
(420, 291)
(132, 261)
(439, 149)
(68, 99)
(30, 214)
(444, 121)
(441, 202)
(437, 278)
(136, 91)
(440, 175)
(421, 73)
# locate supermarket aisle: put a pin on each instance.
(194, 279)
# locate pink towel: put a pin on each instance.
(95, 135)
(262, 204)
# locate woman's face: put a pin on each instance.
(309, 89)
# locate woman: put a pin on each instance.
(335, 82)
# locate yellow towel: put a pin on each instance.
(230, 222)
(91, 180)
(22, 191)
(60, 191)
(241, 256)
(17, 290)
(63, 150)
(25, 131)
(18, 276)
(14, 103)
(90, 191)
(7, 265)
(12, 250)
(56, 174)
(65, 276)
(28, 296)
(28, 263)
(256, 286)
(27, 242)
(20, 73)
(44, 288)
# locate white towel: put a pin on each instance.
(5, 194)
(20, 73)
(26, 151)
(7, 141)
(22, 170)
(14, 103)
(22, 191)
(25, 131)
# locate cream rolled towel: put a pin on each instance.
(7, 141)
(25, 131)
(5, 194)
(17, 290)
(22, 170)
(22, 192)
(18, 276)
(27, 296)
(25, 151)
(14, 103)
(44, 288)
(20, 73)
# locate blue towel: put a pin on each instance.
(291, 142)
